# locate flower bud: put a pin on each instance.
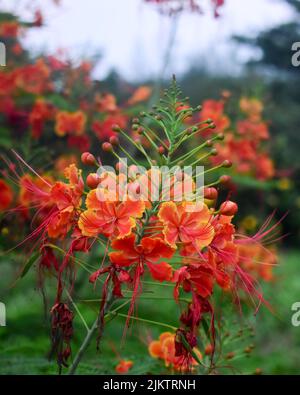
(114, 140)
(116, 128)
(161, 150)
(93, 180)
(224, 179)
(88, 159)
(107, 147)
(210, 193)
(227, 163)
(228, 208)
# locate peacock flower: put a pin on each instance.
(105, 102)
(110, 218)
(34, 78)
(252, 107)
(141, 94)
(214, 109)
(103, 129)
(72, 123)
(164, 349)
(40, 113)
(149, 251)
(67, 198)
(186, 223)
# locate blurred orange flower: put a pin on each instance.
(6, 195)
(123, 366)
(70, 123)
(140, 94)
(164, 349)
(214, 109)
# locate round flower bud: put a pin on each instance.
(107, 147)
(227, 163)
(88, 159)
(210, 193)
(93, 180)
(224, 179)
(161, 150)
(228, 208)
(114, 140)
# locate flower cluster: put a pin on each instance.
(244, 140)
(174, 231)
(50, 101)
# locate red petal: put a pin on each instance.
(160, 271)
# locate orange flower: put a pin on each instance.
(252, 107)
(214, 110)
(34, 78)
(67, 198)
(103, 129)
(140, 94)
(70, 123)
(149, 251)
(105, 102)
(110, 218)
(57, 203)
(254, 130)
(123, 366)
(41, 112)
(264, 167)
(6, 195)
(35, 191)
(164, 349)
(186, 223)
(257, 260)
(64, 161)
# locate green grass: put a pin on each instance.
(24, 342)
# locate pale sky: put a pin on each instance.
(132, 36)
